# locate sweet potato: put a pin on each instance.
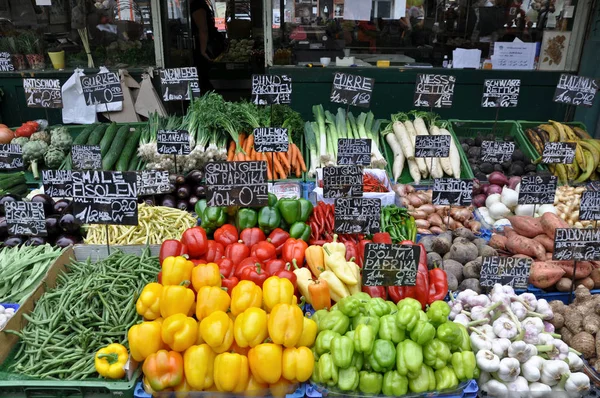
(546, 242)
(517, 244)
(544, 275)
(595, 275)
(584, 268)
(526, 226)
(498, 242)
(551, 222)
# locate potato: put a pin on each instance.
(427, 242)
(479, 242)
(441, 245)
(563, 285)
(460, 241)
(595, 275)
(453, 267)
(487, 251)
(433, 259)
(463, 253)
(452, 282)
(587, 282)
(472, 269)
(470, 283)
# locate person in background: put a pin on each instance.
(205, 32)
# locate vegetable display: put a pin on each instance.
(13, 184)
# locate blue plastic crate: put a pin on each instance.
(140, 393)
(468, 389)
(10, 305)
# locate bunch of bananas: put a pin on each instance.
(586, 165)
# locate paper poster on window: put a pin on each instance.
(357, 10)
(43, 2)
(399, 9)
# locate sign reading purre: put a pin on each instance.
(101, 88)
(43, 93)
(178, 83)
(508, 271)
(271, 89)
(271, 139)
(25, 218)
(576, 244)
(452, 191)
(576, 90)
(342, 181)
(390, 265)
(352, 90)
(173, 142)
(352, 151)
(11, 157)
(357, 216)
(236, 184)
(501, 93)
(537, 190)
(434, 91)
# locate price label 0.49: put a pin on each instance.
(101, 88)
(25, 218)
(576, 244)
(176, 142)
(432, 146)
(357, 216)
(351, 90)
(236, 184)
(559, 152)
(43, 93)
(390, 265)
(497, 151)
(506, 271)
(452, 191)
(537, 190)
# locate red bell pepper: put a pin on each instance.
(420, 291)
(195, 240)
(198, 261)
(351, 250)
(227, 234)
(171, 247)
(288, 274)
(275, 265)
(229, 283)
(438, 285)
(362, 248)
(237, 252)
(255, 273)
(375, 291)
(278, 237)
(382, 237)
(245, 263)
(293, 249)
(215, 251)
(264, 251)
(226, 266)
(159, 277)
(251, 236)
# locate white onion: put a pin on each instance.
(498, 210)
(524, 210)
(501, 223)
(548, 208)
(493, 198)
(509, 197)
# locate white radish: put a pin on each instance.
(414, 171)
(445, 162)
(454, 154)
(436, 168)
(404, 139)
(399, 159)
(421, 129)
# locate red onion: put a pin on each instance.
(485, 188)
(476, 187)
(494, 189)
(479, 200)
(513, 182)
(498, 178)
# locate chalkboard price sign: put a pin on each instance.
(43, 93)
(390, 265)
(506, 271)
(576, 90)
(434, 91)
(271, 139)
(271, 89)
(537, 190)
(452, 191)
(559, 152)
(86, 157)
(105, 197)
(576, 244)
(352, 151)
(593, 186)
(11, 157)
(25, 218)
(236, 184)
(351, 90)
(501, 93)
(101, 88)
(6, 62)
(589, 208)
(175, 142)
(432, 146)
(153, 182)
(177, 83)
(57, 183)
(497, 151)
(342, 181)
(357, 216)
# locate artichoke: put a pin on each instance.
(61, 139)
(19, 141)
(41, 136)
(54, 157)
(32, 152)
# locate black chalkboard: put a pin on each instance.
(352, 151)
(101, 88)
(432, 146)
(593, 186)
(43, 93)
(497, 151)
(452, 191)
(173, 142)
(576, 90)
(58, 183)
(537, 190)
(559, 152)
(105, 197)
(236, 184)
(271, 139)
(577, 244)
(177, 83)
(589, 208)
(6, 62)
(26, 218)
(390, 265)
(271, 89)
(153, 182)
(11, 157)
(501, 93)
(434, 91)
(350, 89)
(86, 157)
(342, 181)
(357, 216)
(507, 271)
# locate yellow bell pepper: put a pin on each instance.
(337, 263)
(309, 333)
(303, 279)
(285, 324)
(265, 362)
(176, 270)
(176, 300)
(198, 366)
(250, 327)
(148, 304)
(282, 388)
(179, 332)
(217, 331)
(163, 370)
(277, 290)
(337, 289)
(184, 386)
(255, 389)
(231, 372)
(211, 299)
(245, 295)
(297, 364)
(206, 275)
(333, 247)
(144, 339)
(315, 259)
(353, 289)
(110, 361)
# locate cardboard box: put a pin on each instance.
(387, 198)
(99, 252)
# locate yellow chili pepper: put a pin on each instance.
(145, 339)
(297, 364)
(176, 300)
(148, 304)
(265, 362)
(250, 327)
(309, 333)
(337, 289)
(277, 290)
(211, 299)
(285, 324)
(217, 331)
(333, 247)
(198, 366)
(353, 289)
(337, 263)
(206, 275)
(110, 361)
(303, 279)
(231, 372)
(179, 332)
(315, 259)
(176, 270)
(245, 295)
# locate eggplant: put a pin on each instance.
(182, 204)
(3, 228)
(192, 200)
(47, 201)
(194, 177)
(172, 187)
(35, 241)
(61, 206)
(66, 240)
(200, 191)
(149, 202)
(7, 198)
(52, 225)
(13, 241)
(172, 178)
(68, 223)
(169, 201)
(183, 192)
(180, 180)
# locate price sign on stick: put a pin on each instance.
(236, 184)
(357, 216)
(271, 139)
(352, 90)
(86, 157)
(178, 83)
(342, 181)
(559, 152)
(390, 265)
(432, 146)
(352, 151)
(589, 209)
(576, 90)
(537, 190)
(153, 182)
(6, 62)
(58, 183)
(576, 244)
(173, 142)
(101, 88)
(506, 271)
(501, 93)
(434, 91)
(43, 93)
(11, 157)
(271, 89)
(25, 218)
(497, 151)
(452, 192)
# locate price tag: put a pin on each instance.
(176, 142)
(559, 152)
(105, 197)
(86, 157)
(25, 218)
(271, 89)
(6, 62)
(452, 191)
(153, 182)
(357, 216)
(352, 151)
(390, 265)
(501, 93)
(58, 183)
(537, 190)
(236, 184)
(43, 93)
(506, 271)
(177, 83)
(101, 88)
(593, 186)
(11, 157)
(342, 181)
(576, 90)
(589, 208)
(352, 90)
(432, 146)
(271, 139)
(576, 244)
(434, 91)
(497, 151)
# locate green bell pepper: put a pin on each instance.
(370, 382)
(393, 308)
(350, 306)
(464, 342)
(409, 357)
(378, 307)
(423, 380)
(358, 360)
(334, 320)
(449, 333)
(348, 379)
(363, 297)
(306, 209)
(316, 374)
(246, 218)
(445, 379)
(371, 321)
(268, 219)
(213, 218)
(389, 330)
(300, 230)
(200, 206)
(342, 350)
(272, 200)
(383, 356)
(318, 316)
(295, 210)
(436, 354)
(315, 353)
(407, 318)
(334, 307)
(394, 384)
(464, 365)
(422, 333)
(438, 312)
(350, 333)
(363, 339)
(408, 302)
(328, 372)
(323, 341)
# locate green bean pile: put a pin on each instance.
(92, 305)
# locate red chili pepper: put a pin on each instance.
(278, 237)
(227, 234)
(159, 277)
(351, 250)
(171, 247)
(229, 283)
(294, 249)
(288, 274)
(438, 285)
(255, 274)
(226, 266)
(382, 237)
(362, 248)
(375, 291)
(198, 261)
(251, 236)
(195, 240)
(274, 265)
(264, 251)
(215, 251)
(247, 262)
(237, 252)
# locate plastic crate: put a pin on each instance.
(467, 389)
(140, 393)
(565, 297)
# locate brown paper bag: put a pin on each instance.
(148, 100)
(128, 114)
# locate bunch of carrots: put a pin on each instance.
(280, 165)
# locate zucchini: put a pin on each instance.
(116, 148)
(133, 163)
(96, 136)
(107, 138)
(83, 136)
(130, 148)
(10, 180)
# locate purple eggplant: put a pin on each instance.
(68, 223)
(47, 201)
(192, 202)
(183, 192)
(7, 198)
(62, 206)
(180, 180)
(200, 191)
(194, 177)
(3, 228)
(13, 241)
(149, 202)
(35, 241)
(169, 201)
(66, 240)
(182, 205)
(52, 225)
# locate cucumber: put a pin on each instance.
(133, 163)
(116, 148)
(130, 148)
(108, 137)
(82, 138)
(96, 136)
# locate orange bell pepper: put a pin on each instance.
(315, 259)
(319, 294)
(217, 331)
(211, 299)
(309, 333)
(245, 295)
(231, 372)
(206, 275)
(179, 332)
(176, 299)
(282, 388)
(265, 362)
(277, 290)
(163, 369)
(285, 325)
(256, 389)
(297, 364)
(239, 350)
(144, 339)
(198, 364)
(250, 327)
(148, 304)
(176, 270)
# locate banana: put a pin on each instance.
(554, 137)
(585, 175)
(561, 173)
(579, 156)
(535, 140)
(572, 171)
(572, 136)
(543, 134)
(581, 133)
(562, 136)
(585, 144)
(595, 176)
(594, 143)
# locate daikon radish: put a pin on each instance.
(445, 162)
(454, 154)
(403, 137)
(414, 171)
(399, 158)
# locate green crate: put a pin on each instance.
(527, 124)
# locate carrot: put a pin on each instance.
(290, 153)
(231, 152)
(266, 159)
(249, 144)
(543, 275)
(241, 139)
(277, 166)
(301, 160)
(284, 161)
